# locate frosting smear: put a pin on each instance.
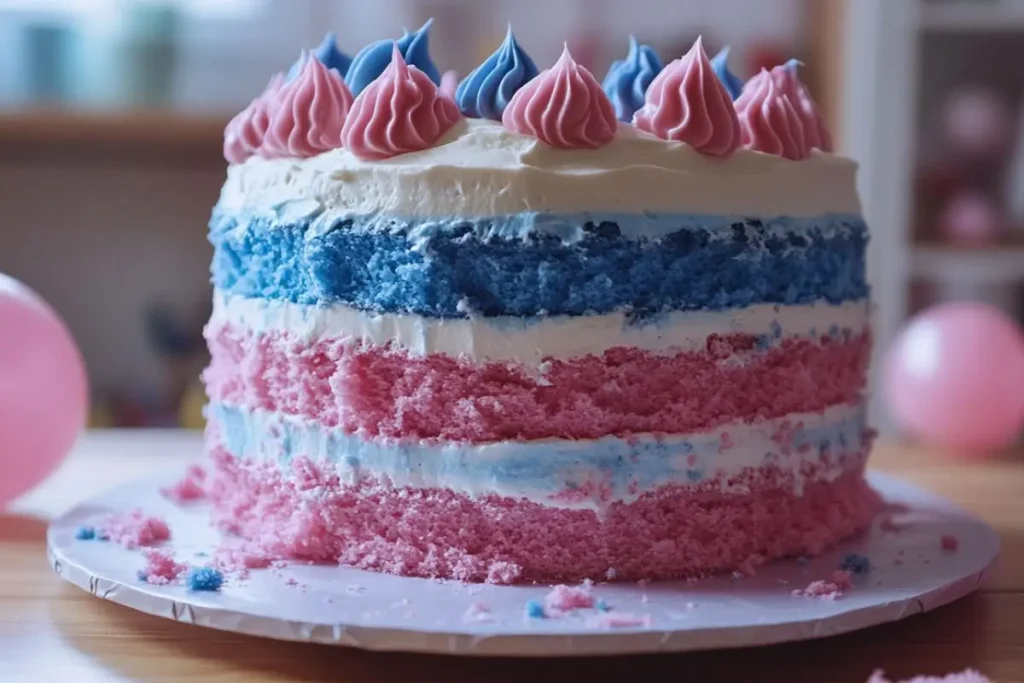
(563, 107)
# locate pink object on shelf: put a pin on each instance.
(953, 378)
(402, 111)
(787, 80)
(686, 102)
(971, 218)
(769, 120)
(307, 114)
(449, 83)
(43, 390)
(978, 122)
(968, 676)
(564, 107)
(244, 133)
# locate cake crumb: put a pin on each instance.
(855, 563)
(85, 533)
(503, 573)
(205, 579)
(535, 610)
(563, 598)
(189, 488)
(478, 611)
(826, 589)
(135, 529)
(949, 542)
(161, 568)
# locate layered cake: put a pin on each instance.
(539, 328)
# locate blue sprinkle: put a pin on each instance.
(141, 576)
(855, 564)
(535, 610)
(802, 560)
(694, 475)
(776, 329)
(202, 554)
(602, 606)
(85, 533)
(763, 341)
(205, 579)
(833, 331)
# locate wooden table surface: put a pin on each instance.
(52, 631)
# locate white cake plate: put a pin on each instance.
(910, 574)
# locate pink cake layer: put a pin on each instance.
(303, 512)
(379, 391)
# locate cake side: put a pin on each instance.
(492, 359)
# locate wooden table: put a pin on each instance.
(52, 631)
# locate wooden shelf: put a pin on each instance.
(973, 15)
(117, 127)
(1000, 264)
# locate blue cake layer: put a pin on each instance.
(701, 265)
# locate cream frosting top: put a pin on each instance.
(479, 169)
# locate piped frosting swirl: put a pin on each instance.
(787, 80)
(488, 89)
(308, 114)
(401, 111)
(329, 55)
(687, 103)
(628, 79)
(733, 83)
(449, 84)
(372, 60)
(769, 121)
(244, 133)
(563, 107)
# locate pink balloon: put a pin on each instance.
(43, 390)
(955, 378)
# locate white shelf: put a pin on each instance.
(973, 15)
(978, 266)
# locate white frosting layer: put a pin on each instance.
(479, 169)
(531, 342)
(575, 474)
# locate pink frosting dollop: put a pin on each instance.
(449, 83)
(769, 121)
(402, 111)
(244, 133)
(564, 107)
(688, 103)
(308, 113)
(788, 82)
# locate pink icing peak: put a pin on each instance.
(449, 83)
(787, 80)
(244, 134)
(564, 106)
(402, 111)
(769, 120)
(688, 103)
(307, 114)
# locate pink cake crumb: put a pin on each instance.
(238, 559)
(135, 529)
(189, 488)
(564, 598)
(608, 620)
(967, 676)
(949, 542)
(478, 611)
(161, 568)
(827, 590)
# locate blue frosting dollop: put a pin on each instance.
(733, 83)
(329, 55)
(370, 62)
(487, 90)
(628, 79)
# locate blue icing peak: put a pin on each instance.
(487, 89)
(720, 63)
(628, 79)
(329, 55)
(371, 61)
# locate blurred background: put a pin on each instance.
(112, 115)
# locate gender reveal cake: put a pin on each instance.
(533, 326)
